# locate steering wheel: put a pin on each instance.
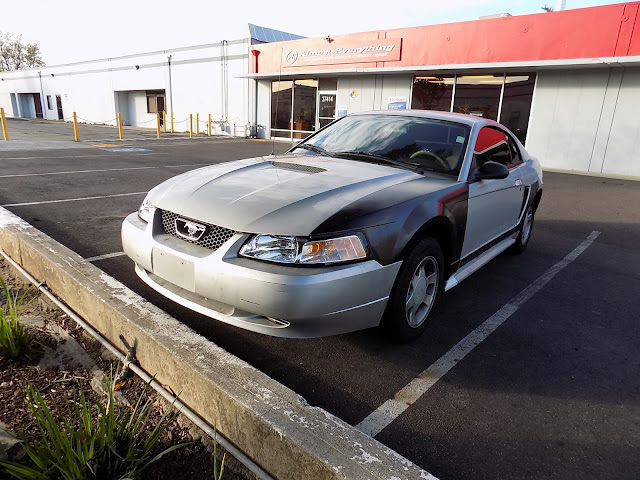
(430, 154)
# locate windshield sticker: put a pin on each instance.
(460, 139)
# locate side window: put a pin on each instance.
(492, 145)
(516, 157)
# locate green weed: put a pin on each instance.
(102, 442)
(14, 338)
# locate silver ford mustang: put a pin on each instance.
(365, 223)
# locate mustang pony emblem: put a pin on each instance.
(188, 229)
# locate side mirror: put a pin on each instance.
(491, 171)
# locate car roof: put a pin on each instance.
(435, 115)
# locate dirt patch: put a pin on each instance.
(58, 374)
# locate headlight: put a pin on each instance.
(271, 248)
(145, 212)
(286, 250)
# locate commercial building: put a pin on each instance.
(203, 79)
(566, 83)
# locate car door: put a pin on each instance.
(494, 205)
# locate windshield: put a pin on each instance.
(432, 145)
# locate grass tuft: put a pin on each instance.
(92, 442)
(14, 338)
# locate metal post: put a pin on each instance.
(120, 125)
(76, 136)
(158, 124)
(172, 122)
(209, 124)
(191, 125)
(197, 124)
(44, 112)
(3, 120)
(164, 120)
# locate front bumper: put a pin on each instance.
(278, 300)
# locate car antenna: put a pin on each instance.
(273, 139)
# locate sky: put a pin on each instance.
(75, 30)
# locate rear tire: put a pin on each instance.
(525, 232)
(417, 289)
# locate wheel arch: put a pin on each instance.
(537, 198)
(443, 231)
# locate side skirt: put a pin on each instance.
(480, 261)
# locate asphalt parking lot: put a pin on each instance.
(549, 388)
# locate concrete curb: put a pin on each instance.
(270, 423)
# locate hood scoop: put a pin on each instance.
(297, 167)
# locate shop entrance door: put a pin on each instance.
(326, 107)
(59, 106)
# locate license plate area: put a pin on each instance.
(174, 269)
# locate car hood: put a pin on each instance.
(279, 195)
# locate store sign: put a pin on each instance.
(386, 50)
(397, 103)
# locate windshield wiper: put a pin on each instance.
(373, 156)
(314, 148)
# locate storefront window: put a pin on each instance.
(516, 103)
(293, 108)
(432, 93)
(478, 95)
(281, 95)
(304, 107)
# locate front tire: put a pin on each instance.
(417, 289)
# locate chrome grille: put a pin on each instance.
(213, 237)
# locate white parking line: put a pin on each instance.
(26, 204)
(101, 170)
(49, 157)
(105, 256)
(391, 409)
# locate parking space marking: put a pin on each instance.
(26, 204)
(105, 256)
(391, 409)
(49, 157)
(101, 170)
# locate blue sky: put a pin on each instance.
(74, 30)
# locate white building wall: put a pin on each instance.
(264, 109)
(395, 86)
(622, 156)
(96, 89)
(372, 92)
(357, 93)
(586, 120)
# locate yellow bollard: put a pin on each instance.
(120, 125)
(164, 120)
(191, 125)
(158, 124)
(3, 120)
(76, 136)
(197, 124)
(171, 122)
(209, 124)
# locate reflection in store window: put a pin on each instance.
(432, 92)
(281, 104)
(478, 95)
(304, 106)
(516, 103)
